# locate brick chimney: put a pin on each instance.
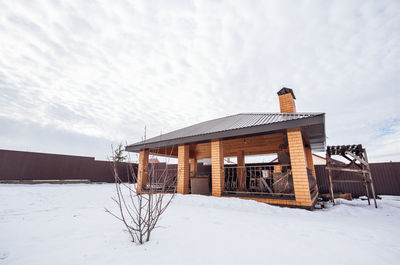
(286, 100)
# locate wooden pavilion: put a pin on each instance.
(292, 136)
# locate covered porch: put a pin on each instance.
(291, 136)
(282, 183)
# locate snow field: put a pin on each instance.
(66, 224)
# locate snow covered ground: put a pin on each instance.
(66, 224)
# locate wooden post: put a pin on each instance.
(183, 169)
(331, 186)
(310, 161)
(241, 172)
(299, 166)
(142, 170)
(370, 177)
(366, 183)
(217, 168)
(328, 160)
(193, 167)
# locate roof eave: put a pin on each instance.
(318, 119)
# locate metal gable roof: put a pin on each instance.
(238, 125)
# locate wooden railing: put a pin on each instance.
(258, 180)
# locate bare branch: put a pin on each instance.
(141, 211)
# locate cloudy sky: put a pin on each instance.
(77, 76)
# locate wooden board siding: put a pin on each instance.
(202, 150)
(142, 170)
(299, 166)
(217, 168)
(254, 145)
(183, 169)
(263, 144)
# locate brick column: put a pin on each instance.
(299, 166)
(241, 172)
(142, 170)
(286, 100)
(193, 167)
(217, 168)
(183, 169)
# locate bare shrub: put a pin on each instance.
(141, 211)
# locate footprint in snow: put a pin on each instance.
(3, 255)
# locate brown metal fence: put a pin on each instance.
(20, 166)
(26, 166)
(386, 177)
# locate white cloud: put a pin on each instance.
(107, 69)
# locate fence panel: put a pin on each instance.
(25, 166)
(386, 177)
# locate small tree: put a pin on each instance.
(118, 153)
(140, 211)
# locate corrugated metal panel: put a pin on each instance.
(231, 123)
(17, 165)
(386, 177)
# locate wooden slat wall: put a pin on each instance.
(202, 150)
(263, 144)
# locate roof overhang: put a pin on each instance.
(312, 127)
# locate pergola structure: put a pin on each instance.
(358, 164)
(293, 136)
